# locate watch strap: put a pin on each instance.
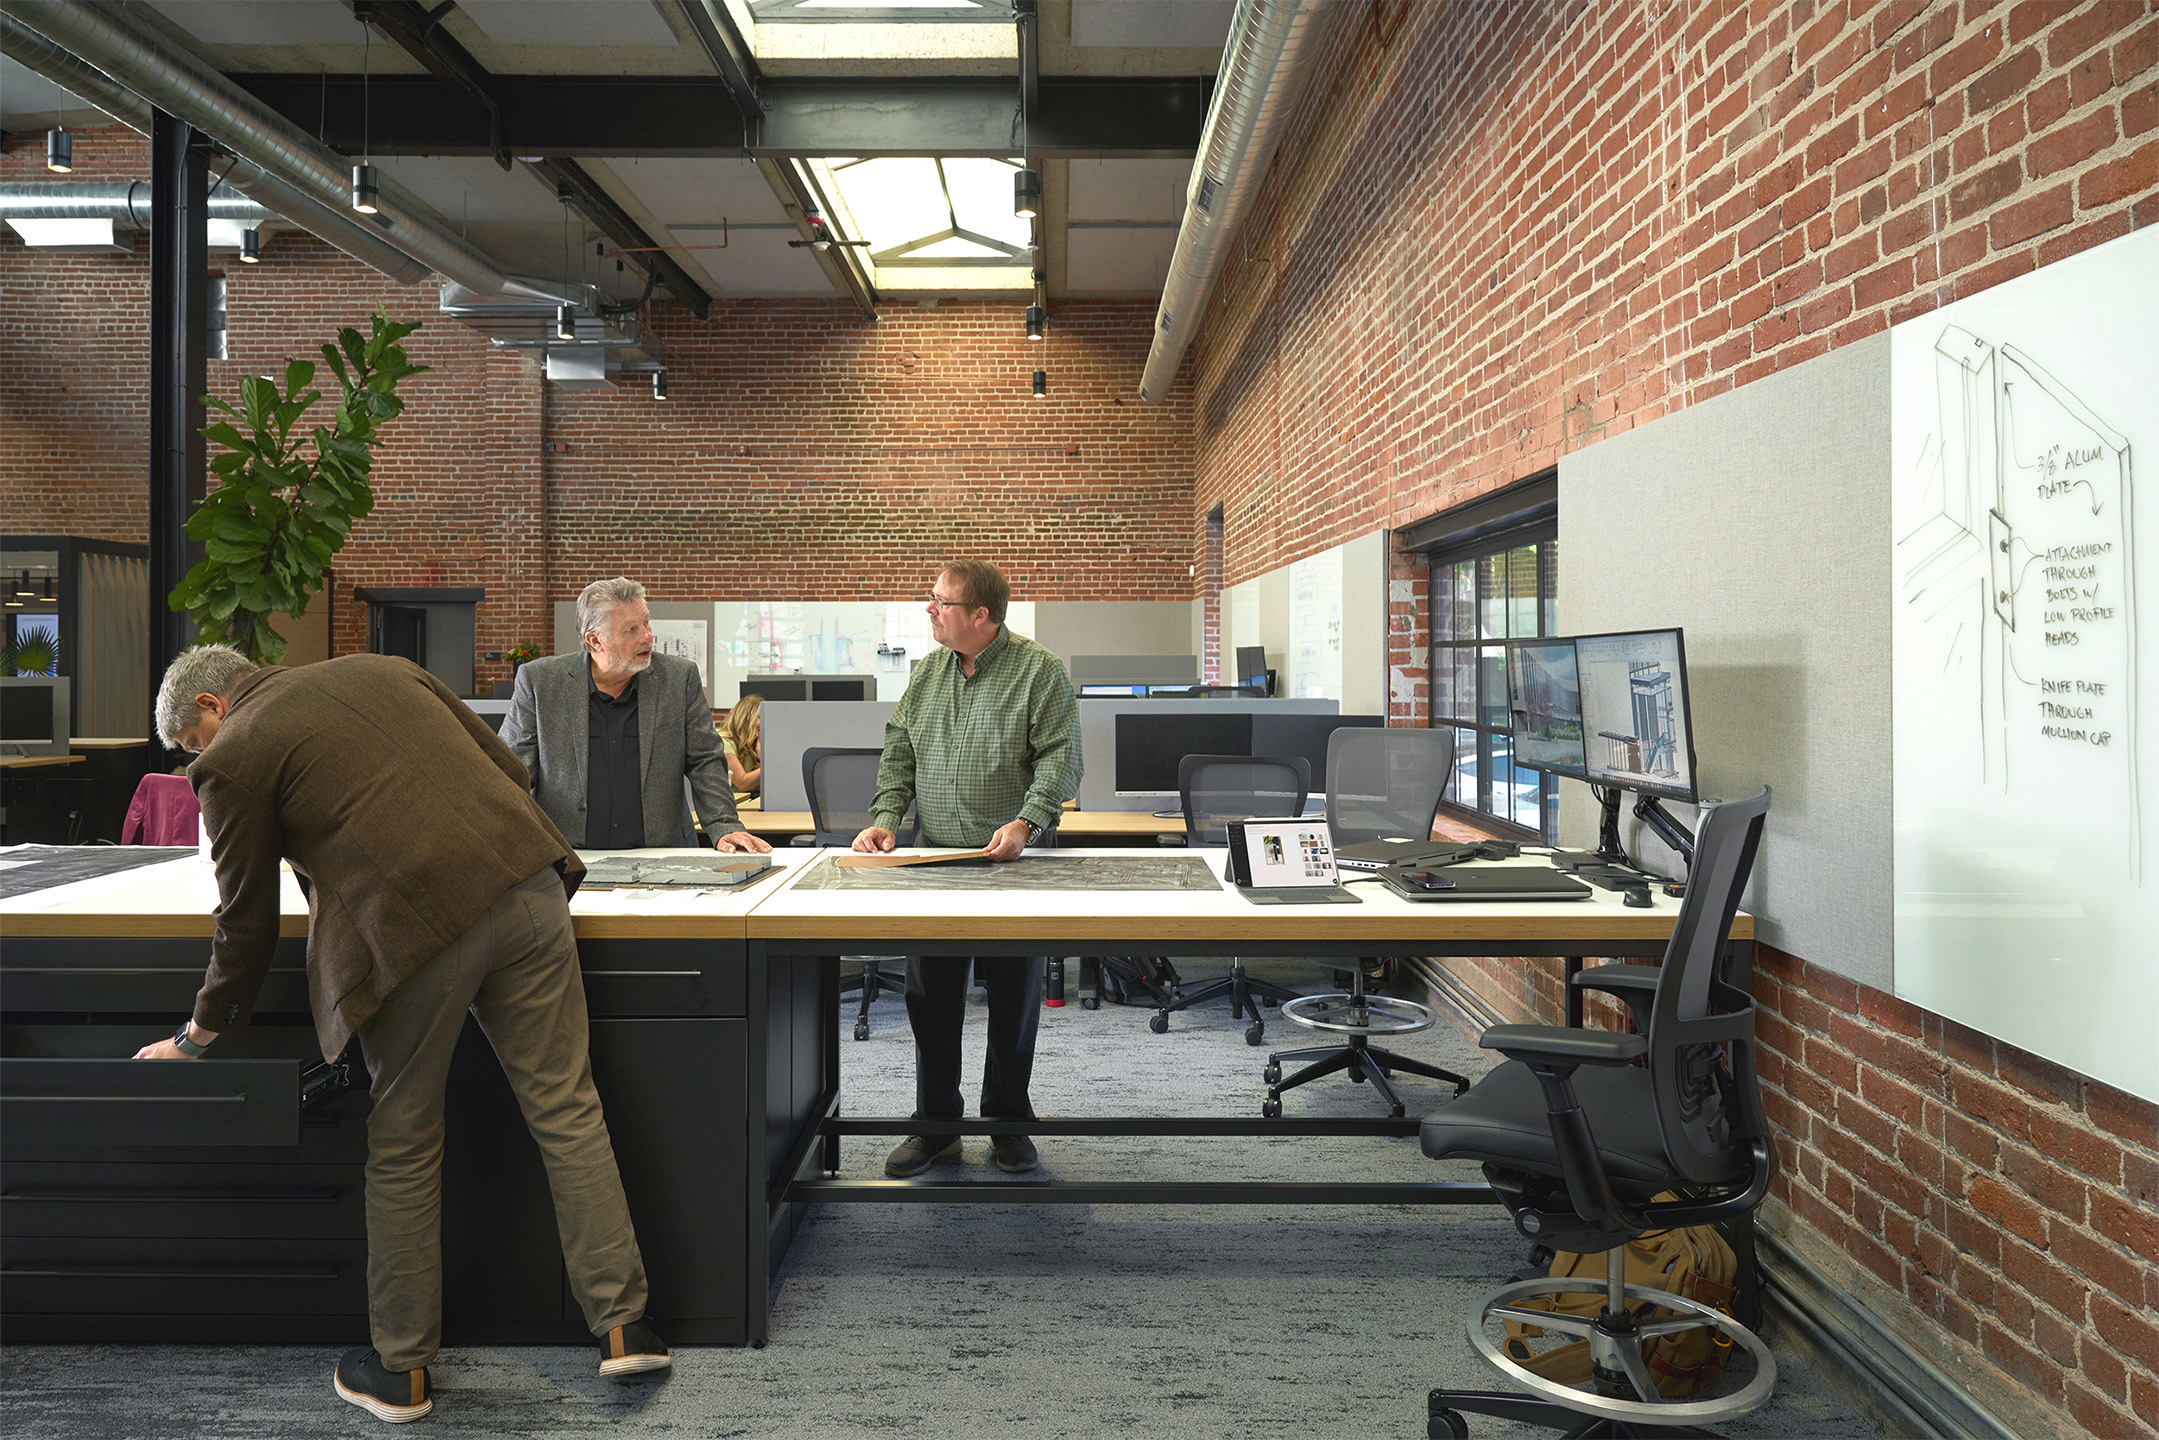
(186, 1045)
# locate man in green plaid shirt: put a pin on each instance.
(985, 746)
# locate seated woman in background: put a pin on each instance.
(742, 736)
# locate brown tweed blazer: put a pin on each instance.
(403, 815)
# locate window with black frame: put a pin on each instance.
(1494, 577)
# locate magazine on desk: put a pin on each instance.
(675, 872)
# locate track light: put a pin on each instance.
(1026, 193)
(1034, 322)
(366, 190)
(659, 384)
(565, 322)
(1042, 384)
(250, 246)
(59, 150)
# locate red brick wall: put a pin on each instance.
(802, 454)
(1502, 232)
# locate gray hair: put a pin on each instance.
(204, 670)
(599, 599)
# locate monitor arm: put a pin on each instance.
(1650, 813)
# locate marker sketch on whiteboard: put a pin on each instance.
(2015, 568)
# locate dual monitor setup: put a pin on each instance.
(810, 687)
(1150, 747)
(34, 715)
(1254, 681)
(1610, 710)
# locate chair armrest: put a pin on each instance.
(1556, 1045)
(1635, 984)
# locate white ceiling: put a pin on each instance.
(1117, 257)
(465, 187)
(1127, 189)
(701, 191)
(1151, 22)
(264, 22)
(561, 22)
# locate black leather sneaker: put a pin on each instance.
(393, 1395)
(1014, 1154)
(633, 1349)
(918, 1153)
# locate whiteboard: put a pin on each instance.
(2025, 758)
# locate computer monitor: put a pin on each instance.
(1306, 735)
(1251, 664)
(1544, 697)
(1110, 692)
(34, 715)
(777, 687)
(845, 687)
(1637, 732)
(1149, 747)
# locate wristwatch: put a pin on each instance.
(187, 1046)
(1034, 832)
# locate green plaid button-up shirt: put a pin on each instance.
(973, 753)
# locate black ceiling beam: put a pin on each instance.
(416, 30)
(657, 115)
(730, 54)
(602, 210)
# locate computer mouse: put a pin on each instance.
(1638, 897)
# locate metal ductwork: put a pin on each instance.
(607, 342)
(123, 200)
(34, 52)
(184, 84)
(1263, 66)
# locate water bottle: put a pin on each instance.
(1053, 985)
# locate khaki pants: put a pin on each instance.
(516, 971)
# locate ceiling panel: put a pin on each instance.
(1151, 22)
(677, 192)
(25, 93)
(254, 22)
(1118, 257)
(1127, 189)
(757, 260)
(559, 22)
(462, 188)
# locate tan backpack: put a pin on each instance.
(1694, 1262)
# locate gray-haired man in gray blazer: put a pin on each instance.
(610, 732)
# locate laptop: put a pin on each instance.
(1473, 883)
(1286, 861)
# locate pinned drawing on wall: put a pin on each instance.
(687, 639)
(2023, 771)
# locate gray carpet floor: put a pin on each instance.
(995, 1320)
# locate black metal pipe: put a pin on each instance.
(179, 347)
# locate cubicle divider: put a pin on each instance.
(793, 726)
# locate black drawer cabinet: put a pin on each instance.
(101, 1103)
(234, 1276)
(634, 978)
(90, 1198)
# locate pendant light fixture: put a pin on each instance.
(1027, 193)
(1034, 322)
(565, 313)
(59, 150)
(366, 185)
(250, 246)
(659, 384)
(1042, 384)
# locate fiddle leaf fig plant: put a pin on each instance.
(281, 512)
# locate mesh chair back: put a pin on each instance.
(1386, 784)
(1219, 788)
(1695, 1014)
(841, 783)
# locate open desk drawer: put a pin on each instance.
(150, 1102)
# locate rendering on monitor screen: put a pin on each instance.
(1635, 721)
(1545, 696)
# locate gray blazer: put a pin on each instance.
(549, 728)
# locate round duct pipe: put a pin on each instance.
(184, 84)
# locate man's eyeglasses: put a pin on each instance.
(942, 602)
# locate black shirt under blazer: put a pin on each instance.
(549, 728)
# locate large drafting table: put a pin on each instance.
(715, 1025)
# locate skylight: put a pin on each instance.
(949, 213)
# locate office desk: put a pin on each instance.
(200, 1202)
(795, 920)
(37, 762)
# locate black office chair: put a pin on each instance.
(1216, 789)
(1576, 1158)
(841, 783)
(1381, 785)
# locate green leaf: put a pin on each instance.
(298, 373)
(257, 395)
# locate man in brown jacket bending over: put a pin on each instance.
(434, 885)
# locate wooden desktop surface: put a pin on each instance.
(33, 762)
(177, 899)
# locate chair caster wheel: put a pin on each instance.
(1356, 1076)
(1273, 1073)
(1271, 1109)
(1255, 1033)
(1158, 1022)
(1270, 1000)
(1446, 1425)
(1397, 1112)
(1090, 1003)
(862, 1029)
